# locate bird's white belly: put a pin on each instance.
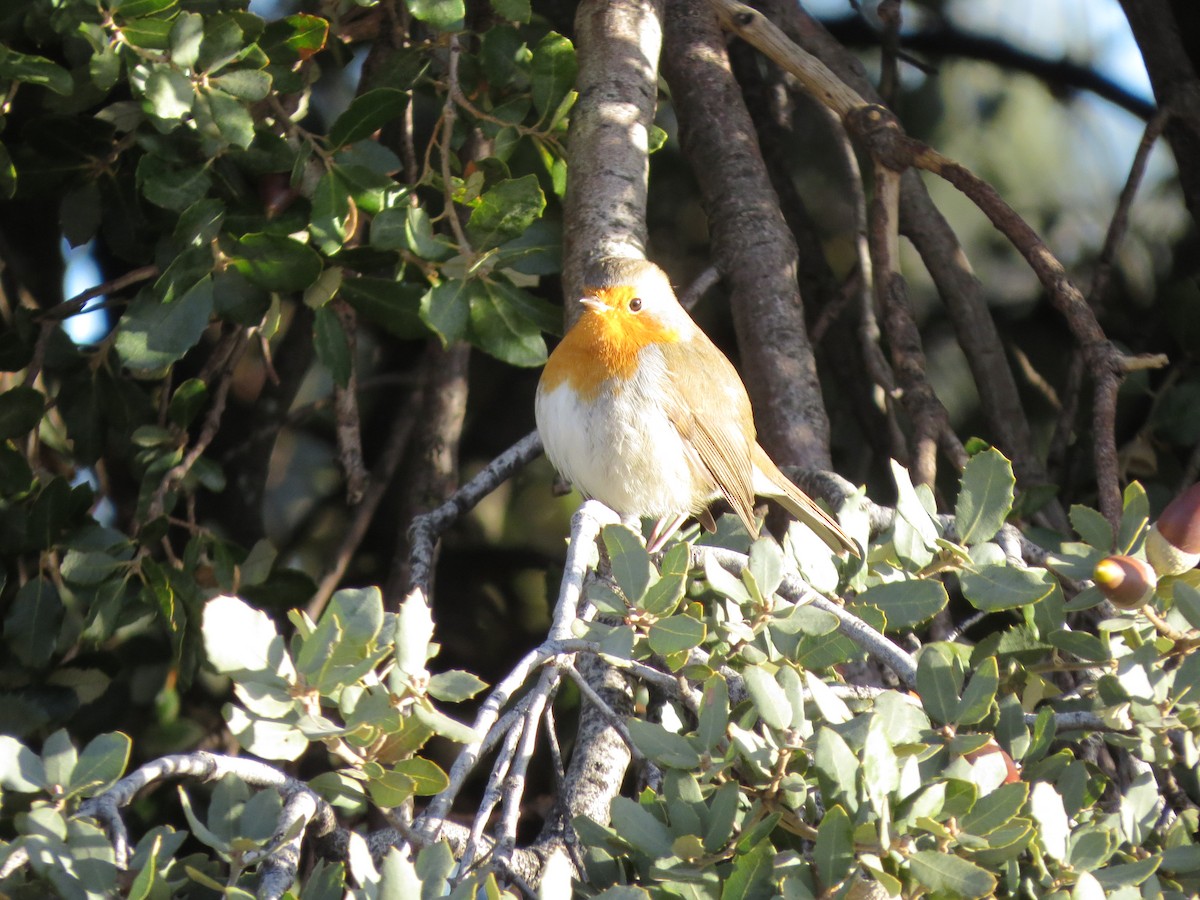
(620, 448)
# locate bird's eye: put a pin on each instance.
(635, 305)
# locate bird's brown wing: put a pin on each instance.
(800, 505)
(710, 408)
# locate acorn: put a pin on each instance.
(1173, 544)
(1128, 583)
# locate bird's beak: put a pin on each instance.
(595, 304)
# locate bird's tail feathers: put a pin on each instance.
(777, 486)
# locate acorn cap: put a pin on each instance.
(1128, 583)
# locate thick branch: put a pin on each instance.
(1165, 41)
(752, 246)
(945, 260)
(605, 205)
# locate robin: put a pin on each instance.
(640, 410)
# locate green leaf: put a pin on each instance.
(1077, 643)
(330, 214)
(366, 114)
(413, 633)
(148, 33)
(33, 621)
(224, 41)
(640, 828)
(442, 724)
(833, 852)
(512, 10)
(751, 875)
(444, 15)
(330, 342)
(294, 38)
(250, 85)
(1054, 828)
(446, 309)
(836, 768)
(21, 411)
(906, 603)
(89, 567)
(662, 746)
(995, 809)
(408, 228)
(152, 334)
(20, 768)
(938, 683)
(427, 777)
(232, 121)
(388, 789)
(1113, 878)
(171, 186)
(239, 639)
(187, 33)
(502, 331)
(953, 875)
(979, 694)
(1005, 587)
(881, 771)
(101, 763)
(663, 595)
(714, 712)
(1135, 515)
(985, 498)
(59, 758)
(540, 314)
(276, 263)
(187, 401)
(168, 93)
(1187, 601)
(395, 306)
(552, 73)
(37, 70)
(676, 634)
(768, 697)
(1095, 530)
(455, 686)
(503, 212)
(766, 565)
(631, 566)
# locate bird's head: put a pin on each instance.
(631, 302)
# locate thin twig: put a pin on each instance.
(212, 423)
(381, 477)
(514, 784)
(1120, 217)
(52, 317)
(585, 527)
(346, 417)
(449, 114)
(427, 527)
(201, 766)
(492, 793)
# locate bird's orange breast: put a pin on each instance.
(603, 344)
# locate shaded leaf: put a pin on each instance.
(276, 263)
(366, 114)
(21, 410)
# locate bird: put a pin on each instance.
(638, 409)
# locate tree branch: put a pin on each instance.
(604, 208)
(752, 246)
